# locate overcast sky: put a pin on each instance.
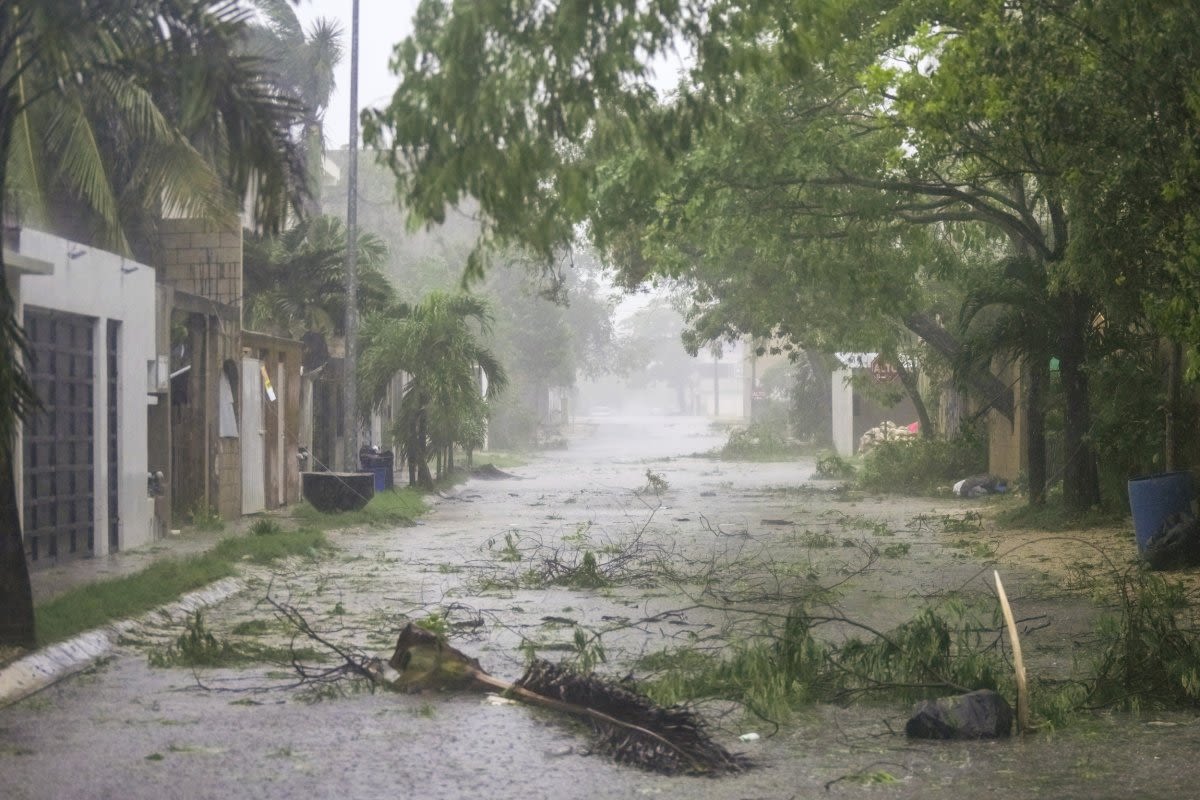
(381, 25)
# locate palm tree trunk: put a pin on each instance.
(424, 479)
(410, 454)
(16, 593)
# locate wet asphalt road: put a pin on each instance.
(129, 730)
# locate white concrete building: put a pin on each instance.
(82, 463)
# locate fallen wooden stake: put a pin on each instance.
(631, 728)
(1018, 662)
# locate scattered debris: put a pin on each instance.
(489, 472)
(980, 485)
(629, 726)
(884, 432)
(982, 714)
(1176, 545)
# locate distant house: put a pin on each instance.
(234, 395)
(856, 410)
(156, 405)
(83, 461)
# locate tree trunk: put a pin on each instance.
(1081, 486)
(1171, 427)
(991, 390)
(16, 594)
(411, 454)
(424, 479)
(912, 387)
(1036, 369)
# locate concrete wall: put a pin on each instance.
(203, 259)
(842, 409)
(98, 284)
(1007, 453)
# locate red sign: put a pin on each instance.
(882, 371)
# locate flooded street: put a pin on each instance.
(689, 547)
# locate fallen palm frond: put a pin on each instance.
(631, 728)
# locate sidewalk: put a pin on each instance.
(50, 582)
(44, 667)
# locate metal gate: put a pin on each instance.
(114, 440)
(59, 438)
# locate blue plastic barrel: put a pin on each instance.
(1153, 498)
(377, 465)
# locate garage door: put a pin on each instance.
(59, 438)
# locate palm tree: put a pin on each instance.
(296, 282)
(443, 405)
(1012, 314)
(124, 140)
(302, 65)
(114, 111)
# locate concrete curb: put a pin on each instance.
(46, 667)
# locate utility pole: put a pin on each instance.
(350, 373)
(716, 385)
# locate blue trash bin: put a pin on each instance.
(377, 465)
(1153, 498)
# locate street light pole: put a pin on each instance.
(350, 373)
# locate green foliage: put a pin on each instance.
(1149, 648)
(762, 440)
(939, 650)
(389, 509)
(265, 527)
(195, 647)
(437, 624)
(921, 466)
(438, 344)
(586, 653)
(831, 466)
(585, 575)
(1054, 516)
(118, 113)
(1056, 205)
(296, 282)
(656, 484)
(163, 581)
(206, 518)
(511, 552)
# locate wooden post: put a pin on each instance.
(1018, 662)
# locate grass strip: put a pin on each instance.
(90, 606)
(386, 509)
